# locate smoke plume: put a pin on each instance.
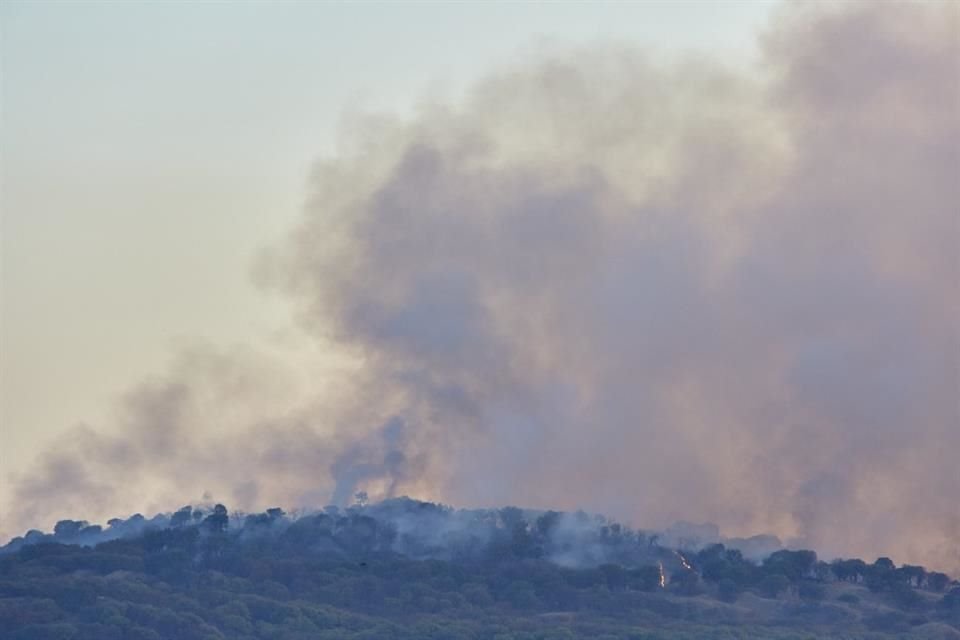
(660, 291)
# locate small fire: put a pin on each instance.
(683, 561)
(663, 577)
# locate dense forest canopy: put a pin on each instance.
(409, 569)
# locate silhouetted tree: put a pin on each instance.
(853, 570)
(182, 516)
(547, 523)
(913, 575)
(218, 520)
(937, 581)
(67, 529)
(792, 564)
(881, 574)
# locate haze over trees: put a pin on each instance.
(408, 569)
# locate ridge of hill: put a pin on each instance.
(409, 569)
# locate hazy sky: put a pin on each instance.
(149, 150)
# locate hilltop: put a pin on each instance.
(409, 569)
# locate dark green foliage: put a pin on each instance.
(882, 575)
(356, 573)
(182, 517)
(849, 570)
(218, 520)
(718, 563)
(792, 564)
(913, 575)
(686, 582)
(937, 581)
(67, 529)
(772, 586)
(645, 578)
(906, 597)
(728, 590)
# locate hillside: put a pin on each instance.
(409, 569)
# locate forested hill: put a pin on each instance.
(409, 569)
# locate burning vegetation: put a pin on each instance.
(409, 569)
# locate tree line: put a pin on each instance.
(412, 569)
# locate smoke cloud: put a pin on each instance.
(660, 291)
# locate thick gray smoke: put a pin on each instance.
(661, 292)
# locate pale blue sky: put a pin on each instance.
(150, 149)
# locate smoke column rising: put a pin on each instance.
(659, 291)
